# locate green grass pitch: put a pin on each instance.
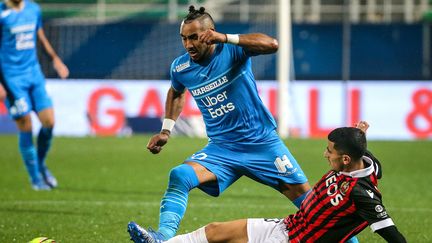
(106, 182)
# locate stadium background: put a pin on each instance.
(122, 50)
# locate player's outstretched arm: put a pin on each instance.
(391, 234)
(173, 107)
(61, 69)
(257, 43)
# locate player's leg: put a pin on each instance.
(230, 232)
(19, 106)
(207, 169)
(43, 107)
(44, 139)
(182, 179)
(274, 165)
(238, 231)
(28, 151)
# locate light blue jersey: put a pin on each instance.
(18, 37)
(20, 72)
(225, 91)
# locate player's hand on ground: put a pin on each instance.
(211, 37)
(61, 69)
(362, 125)
(156, 142)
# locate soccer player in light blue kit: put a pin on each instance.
(242, 133)
(22, 78)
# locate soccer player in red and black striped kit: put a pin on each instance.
(344, 202)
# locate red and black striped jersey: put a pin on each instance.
(340, 205)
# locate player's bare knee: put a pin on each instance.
(24, 123)
(214, 231)
(48, 123)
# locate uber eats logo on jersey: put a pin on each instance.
(214, 106)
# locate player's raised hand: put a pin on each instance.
(61, 69)
(362, 125)
(156, 142)
(211, 37)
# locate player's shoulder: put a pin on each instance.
(32, 5)
(180, 63)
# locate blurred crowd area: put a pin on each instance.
(138, 39)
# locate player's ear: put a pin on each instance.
(346, 159)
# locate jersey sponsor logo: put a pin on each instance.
(209, 87)
(182, 66)
(24, 41)
(332, 190)
(211, 101)
(199, 156)
(284, 166)
(19, 107)
(24, 36)
(23, 28)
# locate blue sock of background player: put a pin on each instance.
(28, 154)
(43, 145)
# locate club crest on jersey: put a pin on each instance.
(344, 187)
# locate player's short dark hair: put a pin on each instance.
(198, 14)
(350, 141)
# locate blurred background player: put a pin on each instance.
(340, 205)
(24, 82)
(242, 133)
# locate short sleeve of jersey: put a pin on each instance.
(238, 53)
(174, 82)
(39, 17)
(370, 207)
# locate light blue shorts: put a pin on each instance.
(25, 92)
(270, 164)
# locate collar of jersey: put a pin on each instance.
(362, 172)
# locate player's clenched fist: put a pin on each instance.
(211, 37)
(156, 142)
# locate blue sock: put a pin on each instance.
(353, 240)
(43, 145)
(173, 205)
(28, 154)
(300, 199)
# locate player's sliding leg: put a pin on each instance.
(44, 144)
(28, 152)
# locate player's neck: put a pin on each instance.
(354, 165)
(15, 5)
